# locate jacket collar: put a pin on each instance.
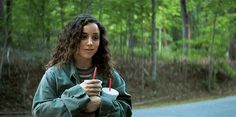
(71, 70)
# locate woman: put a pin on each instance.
(82, 47)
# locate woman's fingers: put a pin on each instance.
(94, 94)
(95, 81)
(95, 90)
(92, 87)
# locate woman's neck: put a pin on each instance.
(83, 63)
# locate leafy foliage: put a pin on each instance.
(36, 23)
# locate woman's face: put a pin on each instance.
(90, 40)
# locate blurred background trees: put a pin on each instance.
(34, 25)
(166, 30)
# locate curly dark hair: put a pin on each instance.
(69, 39)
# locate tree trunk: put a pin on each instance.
(120, 40)
(232, 44)
(143, 53)
(184, 26)
(129, 35)
(43, 22)
(101, 4)
(2, 37)
(212, 74)
(8, 21)
(1, 16)
(154, 38)
(232, 48)
(2, 22)
(62, 13)
(7, 33)
(87, 6)
(160, 42)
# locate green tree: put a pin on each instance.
(184, 26)
(154, 36)
(232, 42)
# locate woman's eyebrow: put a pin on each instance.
(96, 33)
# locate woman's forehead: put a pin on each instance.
(91, 28)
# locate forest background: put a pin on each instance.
(166, 50)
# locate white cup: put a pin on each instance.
(112, 94)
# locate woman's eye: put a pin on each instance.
(83, 37)
(95, 37)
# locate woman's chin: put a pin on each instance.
(88, 57)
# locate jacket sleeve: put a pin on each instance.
(121, 107)
(47, 103)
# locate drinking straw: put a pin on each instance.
(94, 73)
(109, 84)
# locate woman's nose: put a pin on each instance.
(90, 41)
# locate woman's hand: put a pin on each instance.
(93, 105)
(92, 87)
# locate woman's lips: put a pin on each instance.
(89, 50)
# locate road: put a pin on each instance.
(223, 107)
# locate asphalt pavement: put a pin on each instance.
(223, 107)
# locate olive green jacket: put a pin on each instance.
(58, 96)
